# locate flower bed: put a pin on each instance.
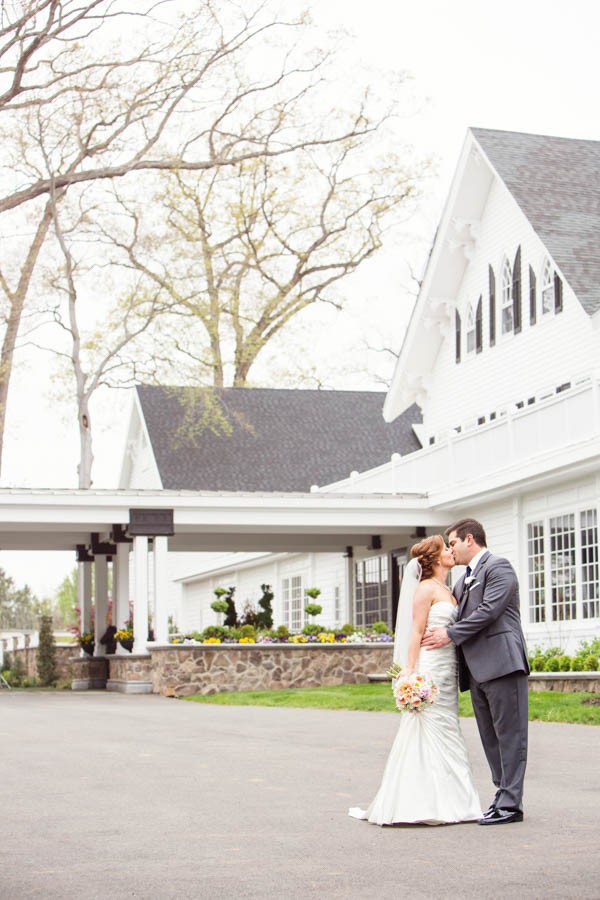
(193, 668)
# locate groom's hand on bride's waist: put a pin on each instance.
(434, 638)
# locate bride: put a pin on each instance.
(427, 778)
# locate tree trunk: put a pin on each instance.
(17, 301)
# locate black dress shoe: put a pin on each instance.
(502, 817)
(492, 805)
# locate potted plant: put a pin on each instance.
(86, 642)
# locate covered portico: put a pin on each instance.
(134, 530)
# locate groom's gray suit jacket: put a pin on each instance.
(488, 630)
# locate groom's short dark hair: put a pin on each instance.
(469, 526)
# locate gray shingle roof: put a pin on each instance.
(556, 182)
(257, 439)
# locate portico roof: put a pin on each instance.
(51, 519)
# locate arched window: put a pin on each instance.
(532, 297)
(516, 291)
(457, 340)
(479, 326)
(547, 288)
(470, 329)
(492, 304)
(507, 297)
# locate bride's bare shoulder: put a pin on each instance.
(425, 589)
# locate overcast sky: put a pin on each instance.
(519, 65)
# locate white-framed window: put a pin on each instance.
(470, 329)
(337, 606)
(372, 591)
(507, 311)
(547, 288)
(590, 571)
(563, 567)
(293, 607)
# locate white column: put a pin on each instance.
(101, 573)
(161, 589)
(121, 591)
(84, 594)
(349, 589)
(140, 593)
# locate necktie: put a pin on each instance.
(468, 572)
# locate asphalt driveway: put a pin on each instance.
(104, 795)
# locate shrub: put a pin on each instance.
(313, 609)
(587, 647)
(264, 619)
(380, 628)
(231, 618)
(17, 671)
(46, 657)
(348, 628)
(249, 616)
(213, 631)
(578, 663)
(219, 606)
(248, 631)
(313, 593)
(552, 664)
(282, 631)
(591, 663)
(312, 628)
(537, 663)
(564, 663)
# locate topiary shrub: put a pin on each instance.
(564, 663)
(46, 655)
(248, 631)
(552, 664)
(537, 663)
(231, 618)
(591, 663)
(214, 631)
(264, 619)
(578, 664)
(282, 631)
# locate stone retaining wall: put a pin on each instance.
(183, 670)
(63, 655)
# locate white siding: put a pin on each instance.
(518, 365)
(323, 570)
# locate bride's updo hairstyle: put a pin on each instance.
(428, 552)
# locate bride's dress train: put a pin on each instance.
(427, 777)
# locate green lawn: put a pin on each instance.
(546, 706)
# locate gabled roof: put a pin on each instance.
(556, 182)
(258, 439)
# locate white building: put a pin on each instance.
(502, 355)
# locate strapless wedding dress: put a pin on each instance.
(427, 777)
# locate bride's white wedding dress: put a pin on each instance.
(427, 777)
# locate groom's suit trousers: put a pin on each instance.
(501, 711)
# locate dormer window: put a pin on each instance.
(547, 289)
(507, 298)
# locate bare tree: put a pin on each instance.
(242, 251)
(95, 90)
(99, 355)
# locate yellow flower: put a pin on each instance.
(212, 641)
(246, 640)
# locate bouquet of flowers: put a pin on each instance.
(413, 693)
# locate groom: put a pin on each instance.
(493, 663)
